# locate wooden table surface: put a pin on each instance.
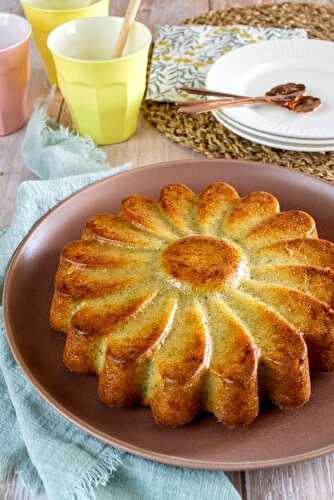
(305, 481)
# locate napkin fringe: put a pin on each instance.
(98, 475)
(50, 150)
(58, 133)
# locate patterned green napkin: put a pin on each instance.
(183, 55)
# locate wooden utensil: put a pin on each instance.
(129, 19)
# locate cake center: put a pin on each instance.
(203, 262)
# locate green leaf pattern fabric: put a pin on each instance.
(183, 55)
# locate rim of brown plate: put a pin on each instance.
(103, 436)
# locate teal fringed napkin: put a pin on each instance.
(51, 151)
(44, 448)
(183, 54)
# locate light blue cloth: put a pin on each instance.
(51, 151)
(44, 448)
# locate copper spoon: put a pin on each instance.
(299, 103)
(304, 104)
(286, 89)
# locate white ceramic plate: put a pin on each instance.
(220, 115)
(272, 142)
(254, 69)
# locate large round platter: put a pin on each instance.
(275, 437)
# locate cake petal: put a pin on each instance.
(284, 372)
(179, 365)
(178, 203)
(232, 393)
(312, 252)
(118, 231)
(314, 281)
(283, 226)
(95, 320)
(248, 213)
(213, 205)
(83, 283)
(95, 254)
(61, 311)
(90, 269)
(314, 319)
(129, 350)
(146, 214)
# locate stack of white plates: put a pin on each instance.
(253, 70)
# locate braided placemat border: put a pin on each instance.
(204, 134)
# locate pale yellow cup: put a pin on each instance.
(44, 20)
(103, 94)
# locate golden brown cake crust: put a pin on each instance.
(203, 262)
(198, 302)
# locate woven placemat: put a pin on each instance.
(204, 134)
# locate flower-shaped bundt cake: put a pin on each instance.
(198, 302)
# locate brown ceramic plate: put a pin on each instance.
(275, 438)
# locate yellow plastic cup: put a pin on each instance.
(103, 94)
(43, 21)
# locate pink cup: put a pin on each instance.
(15, 32)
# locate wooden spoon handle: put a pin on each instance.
(129, 18)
